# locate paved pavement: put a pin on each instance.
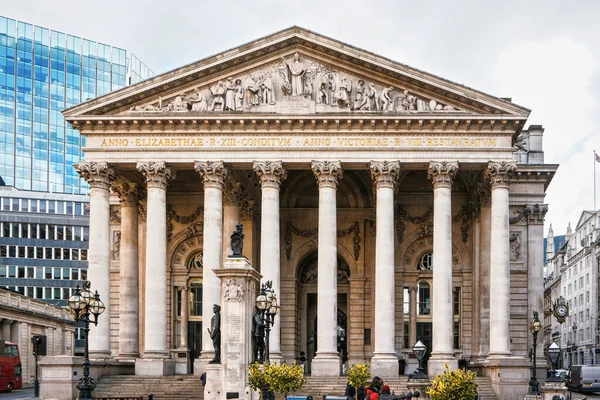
(17, 394)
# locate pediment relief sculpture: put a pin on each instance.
(295, 85)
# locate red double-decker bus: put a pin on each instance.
(10, 366)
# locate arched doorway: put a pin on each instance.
(307, 279)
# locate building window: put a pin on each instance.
(406, 335)
(457, 335)
(406, 300)
(425, 262)
(196, 299)
(424, 299)
(456, 295)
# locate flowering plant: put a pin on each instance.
(457, 384)
(359, 375)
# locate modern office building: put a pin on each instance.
(572, 272)
(43, 210)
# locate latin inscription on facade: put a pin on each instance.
(345, 142)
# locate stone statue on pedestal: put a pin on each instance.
(215, 334)
(237, 241)
(258, 334)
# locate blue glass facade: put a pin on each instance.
(41, 73)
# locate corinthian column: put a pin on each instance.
(213, 174)
(385, 359)
(499, 174)
(271, 174)
(442, 174)
(128, 192)
(99, 176)
(327, 361)
(158, 175)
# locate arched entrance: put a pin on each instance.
(307, 279)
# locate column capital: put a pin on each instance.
(157, 174)
(270, 173)
(213, 173)
(442, 173)
(232, 192)
(97, 174)
(535, 213)
(385, 173)
(500, 173)
(128, 192)
(328, 173)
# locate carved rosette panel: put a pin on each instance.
(500, 173)
(328, 173)
(213, 173)
(128, 192)
(233, 289)
(97, 175)
(442, 173)
(270, 173)
(385, 173)
(157, 174)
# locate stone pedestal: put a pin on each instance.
(509, 376)
(239, 282)
(421, 385)
(551, 389)
(59, 375)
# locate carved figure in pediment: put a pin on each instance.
(406, 102)
(370, 99)
(386, 100)
(344, 91)
(331, 87)
(322, 97)
(308, 88)
(360, 94)
(198, 101)
(253, 91)
(266, 89)
(218, 102)
(230, 94)
(521, 142)
(295, 72)
(179, 104)
(239, 94)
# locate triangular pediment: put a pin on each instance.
(296, 71)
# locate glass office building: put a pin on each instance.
(43, 202)
(41, 73)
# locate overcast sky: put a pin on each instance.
(544, 54)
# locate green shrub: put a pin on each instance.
(359, 375)
(457, 384)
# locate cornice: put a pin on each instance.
(180, 122)
(298, 39)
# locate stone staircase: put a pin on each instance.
(189, 387)
(178, 387)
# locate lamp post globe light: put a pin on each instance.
(419, 349)
(534, 327)
(267, 305)
(84, 305)
(553, 354)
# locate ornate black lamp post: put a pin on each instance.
(266, 302)
(83, 304)
(553, 354)
(534, 327)
(420, 349)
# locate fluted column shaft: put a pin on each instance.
(128, 192)
(385, 359)
(327, 361)
(6, 323)
(185, 313)
(442, 174)
(158, 175)
(99, 176)
(484, 274)
(271, 174)
(213, 175)
(499, 174)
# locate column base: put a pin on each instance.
(276, 358)
(384, 365)
(437, 364)
(100, 355)
(509, 375)
(127, 356)
(326, 365)
(154, 367)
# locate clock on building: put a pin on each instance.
(560, 309)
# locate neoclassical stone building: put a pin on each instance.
(386, 204)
